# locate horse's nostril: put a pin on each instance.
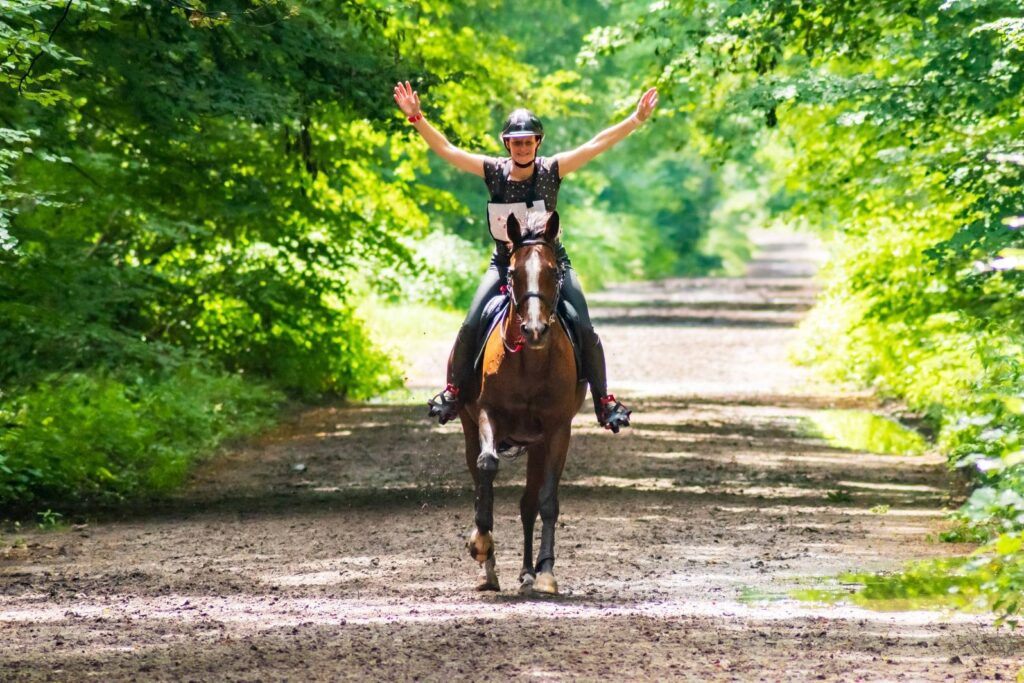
(522, 328)
(535, 331)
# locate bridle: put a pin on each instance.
(552, 303)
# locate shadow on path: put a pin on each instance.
(333, 547)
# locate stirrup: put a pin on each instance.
(445, 405)
(612, 414)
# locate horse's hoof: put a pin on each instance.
(546, 583)
(489, 576)
(487, 462)
(526, 583)
(480, 546)
(486, 584)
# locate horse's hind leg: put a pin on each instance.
(557, 447)
(479, 456)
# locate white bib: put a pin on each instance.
(498, 213)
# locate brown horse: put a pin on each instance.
(528, 394)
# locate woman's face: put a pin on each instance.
(523, 150)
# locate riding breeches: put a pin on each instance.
(461, 368)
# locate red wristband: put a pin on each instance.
(414, 119)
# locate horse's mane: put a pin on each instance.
(536, 224)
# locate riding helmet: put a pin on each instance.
(522, 123)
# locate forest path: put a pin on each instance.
(332, 548)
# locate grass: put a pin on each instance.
(397, 328)
(859, 430)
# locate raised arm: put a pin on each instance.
(609, 137)
(408, 100)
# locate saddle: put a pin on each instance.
(498, 307)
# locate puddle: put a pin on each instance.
(933, 585)
(755, 595)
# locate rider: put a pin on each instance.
(523, 176)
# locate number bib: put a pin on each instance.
(498, 213)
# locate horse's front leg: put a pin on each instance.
(484, 468)
(529, 505)
(557, 447)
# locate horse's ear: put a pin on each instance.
(514, 230)
(552, 227)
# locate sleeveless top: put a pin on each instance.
(544, 187)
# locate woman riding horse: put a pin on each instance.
(524, 177)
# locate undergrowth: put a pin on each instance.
(99, 437)
(895, 317)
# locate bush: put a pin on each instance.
(96, 437)
(606, 246)
(893, 318)
(444, 271)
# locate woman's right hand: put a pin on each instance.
(648, 101)
(407, 99)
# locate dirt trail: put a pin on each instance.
(333, 547)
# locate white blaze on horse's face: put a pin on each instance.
(537, 295)
(533, 267)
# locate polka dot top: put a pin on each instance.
(496, 170)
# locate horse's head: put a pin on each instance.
(534, 275)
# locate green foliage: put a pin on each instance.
(923, 585)
(444, 270)
(50, 520)
(610, 247)
(643, 209)
(963, 533)
(894, 129)
(190, 194)
(839, 496)
(83, 437)
(184, 185)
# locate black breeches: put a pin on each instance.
(490, 285)
(460, 371)
(573, 293)
(494, 278)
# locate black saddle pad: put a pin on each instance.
(497, 308)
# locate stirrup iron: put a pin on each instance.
(444, 405)
(612, 414)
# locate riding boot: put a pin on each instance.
(446, 404)
(610, 413)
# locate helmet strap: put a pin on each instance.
(519, 165)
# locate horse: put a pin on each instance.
(527, 395)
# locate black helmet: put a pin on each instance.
(522, 123)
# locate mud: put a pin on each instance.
(332, 548)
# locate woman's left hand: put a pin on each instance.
(407, 99)
(646, 105)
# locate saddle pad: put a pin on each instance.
(497, 308)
